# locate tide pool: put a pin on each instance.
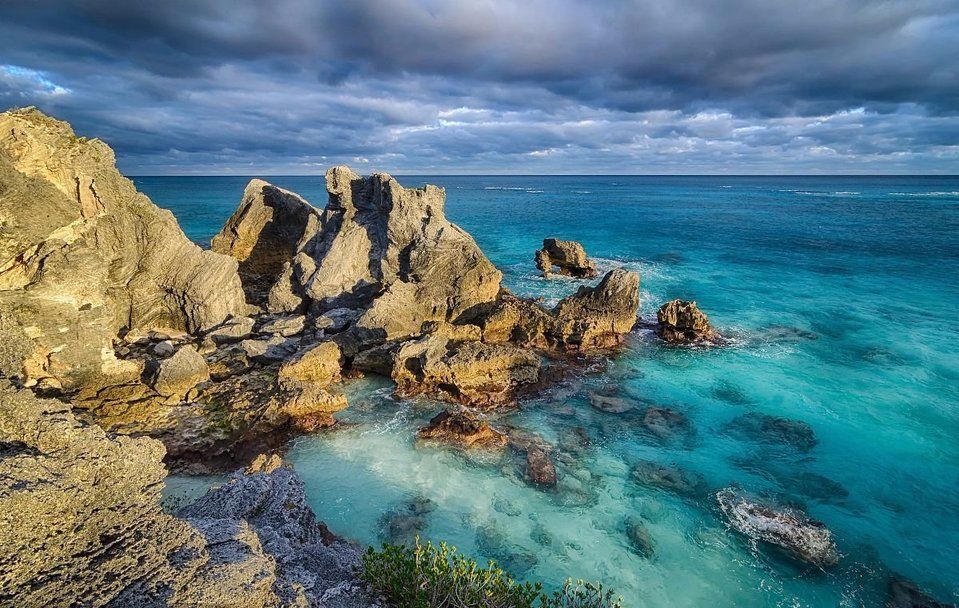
(840, 296)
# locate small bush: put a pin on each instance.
(424, 576)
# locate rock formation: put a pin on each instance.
(539, 467)
(569, 257)
(463, 428)
(786, 528)
(906, 594)
(84, 255)
(264, 234)
(681, 322)
(82, 524)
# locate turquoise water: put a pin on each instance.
(841, 295)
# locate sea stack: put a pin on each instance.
(568, 257)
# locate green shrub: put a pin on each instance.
(424, 576)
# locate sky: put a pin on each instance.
(496, 86)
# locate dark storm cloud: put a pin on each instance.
(527, 86)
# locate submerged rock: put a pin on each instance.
(611, 404)
(263, 234)
(640, 540)
(403, 524)
(906, 594)
(540, 468)
(83, 255)
(785, 527)
(669, 477)
(462, 428)
(665, 424)
(569, 257)
(471, 373)
(681, 322)
(773, 429)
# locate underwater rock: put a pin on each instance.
(785, 527)
(403, 524)
(470, 373)
(492, 543)
(463, 428)
(83, 255)
(263, 234)
(539, 468)
(569, 257)
(665, 423)
(773, 429)
(611, 404)
(506, 507)
(906, 594)
(669, 477)
(681, 322)
(640, 540)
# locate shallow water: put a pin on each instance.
(841, 296)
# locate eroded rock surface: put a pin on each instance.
(681, 322)
(463, 428)
(785, 527)
(84, 255)
(568, 257)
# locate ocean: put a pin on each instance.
(840, 296)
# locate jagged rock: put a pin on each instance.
(593, 318)
(180, 373)
(786, 528)
(463, 428)
(83, 255)
(232, 330)
(164, 348)
(568, 256)
(227, 362)
(285, 326)
(639, 538)
(274, 348)
(611, 404)
(669, 478)
(906, 594)
(539, 468)
(264, 234)
(774, 429)
(319, 364)
(665, 423)
(471, 373)
(681, 322)
(336, 320)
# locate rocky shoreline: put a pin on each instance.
(126, 349)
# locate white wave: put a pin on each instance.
(939, 194)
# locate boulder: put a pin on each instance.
(180, 373)
(681, 322)
(785, 527)
(665, 423)
(232, 330)
(264, 234)
(284, 326)
(467, 372)
(569, 257)
(669, 477)
(764, 428)
(83, 255)
(640, 541)
(318, 364)
(463, 428)
(267, 350)
(540, 468)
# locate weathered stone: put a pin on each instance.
(227, 362)
(285, 326)
(668, 477)
(774, 429)
(164, 348)
(569, 257)
(665, 423)
(640, 540)
(611, 404)
(600, 316)
(319, 364)
(232, 330)
(181, 372)
(471, 373)
(463, 428)
(681, 322)
(539, 468)
(336, 320)
(83, 255)
(274, 348)
(785, 527)
(264, 234)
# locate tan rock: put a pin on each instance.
(462, 428)
(600, 316)
(180, 373)
(681, 322)
(319, 365)
(568, 257)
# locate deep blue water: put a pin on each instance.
(842, 296)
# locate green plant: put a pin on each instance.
(426, 576)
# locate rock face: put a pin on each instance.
(462, 428)
(82, 519)
(569, 257)
(786, 528)
(467, 372)
(264, 234)
(681, 322)
(84, 255)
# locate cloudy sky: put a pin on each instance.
(496, 86)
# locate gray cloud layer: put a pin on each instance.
(642, 86)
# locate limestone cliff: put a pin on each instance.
(83, 255)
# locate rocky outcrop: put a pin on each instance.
(592, 318)
(81, 520)
(785, 527)
(264, 234)
(83, 255)
(463, 428)
(681, 322)
(467, 372)
(540, 469)
(568, 257)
